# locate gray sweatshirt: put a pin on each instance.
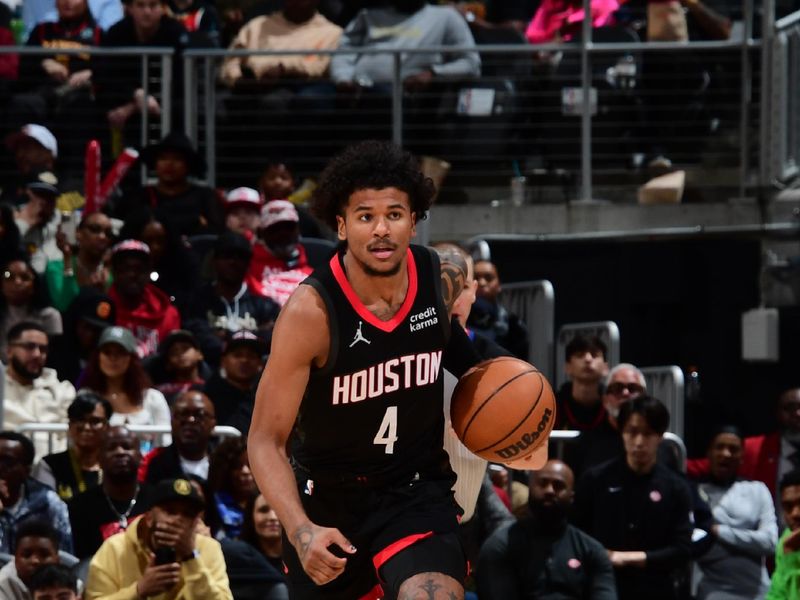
(733, 567)
(386, 28)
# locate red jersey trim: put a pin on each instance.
(363, 312)
(395, 548)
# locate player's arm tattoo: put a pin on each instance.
(453, 280)
(302, 540)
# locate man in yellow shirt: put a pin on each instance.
(161, 557)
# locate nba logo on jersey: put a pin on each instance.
(309, 487)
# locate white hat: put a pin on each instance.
(42, 135)
(244, 196)
(278, 211)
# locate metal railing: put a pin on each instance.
(52, 429)
(523, 118)
(534, 303)
(85, 121)
(666, 384)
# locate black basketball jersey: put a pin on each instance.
(375, 409)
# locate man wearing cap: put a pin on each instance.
(279, 261)
(242, 211)
(179, 562)
(141, 306)
(233, 388)
(227, 305)
(179, 365)
(37, 219)
(33, 392)
(193, 422)
(188, 208)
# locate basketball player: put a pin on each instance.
(355, 375)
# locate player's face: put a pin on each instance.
(641, 444)
(725, 456)
(378, 226)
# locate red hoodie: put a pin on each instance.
(150, 321)
(272, 277)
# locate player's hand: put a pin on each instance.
(158, 579)
(313, 547)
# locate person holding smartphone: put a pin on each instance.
(179, 562)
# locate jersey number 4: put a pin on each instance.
(387, 432)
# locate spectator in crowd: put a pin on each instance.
(23, 498)
(58, 87)
(185, 207)
(277, 183)
(498, 475)
(492, 319)
(297, 26)
(112, 506)
(405, 24)
(559, 20)
(744, 530)
(86, 318)
(226, 305)
(140, 305)
(125, 564)
(579, 403)
(243, 211)
(105, 12)
(232, 389)
(24, 298)
(262, 530)
(541, 555)
(81, 267)
(178, 365)
(38, 220)
(33, 392)
(174, 268)
(200, 19)
(639, 510)
(116, 373)
(596, 446)
(118, 80)
(279, 260)
(767, 458)
(53, 582)
(193, 423)
(231, 483)
(785, 583)
(9, 232)
(37, 545)
(77, 468)
(35, 149)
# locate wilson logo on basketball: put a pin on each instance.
(527, 440)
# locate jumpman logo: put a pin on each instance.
(359, 337)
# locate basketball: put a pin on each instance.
(503, 410)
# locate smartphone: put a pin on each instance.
(165, 555)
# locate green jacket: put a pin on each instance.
(63, 289)
(786, 578)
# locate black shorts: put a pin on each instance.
(398, 532)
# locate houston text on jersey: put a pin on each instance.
(404, 372)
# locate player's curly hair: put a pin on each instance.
(374, 165)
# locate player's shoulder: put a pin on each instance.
(305, 307)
